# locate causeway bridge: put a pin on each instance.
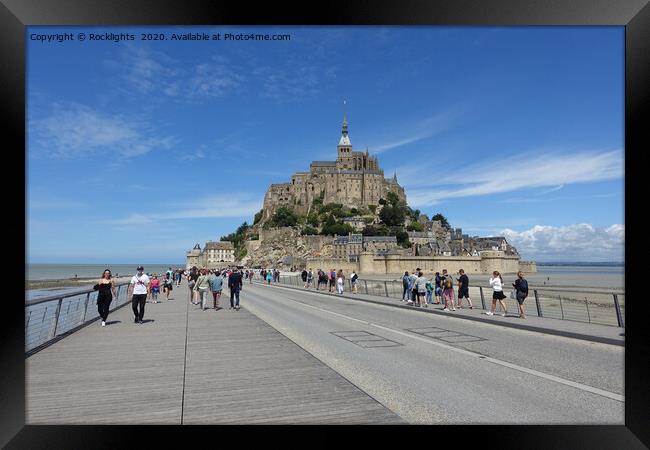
(296, 356)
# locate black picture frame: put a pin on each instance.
(634, 15)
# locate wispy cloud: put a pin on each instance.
(421, 130)
(514, 173)
(577, 242)
(75, 130)
(154, 72)
(230, 205)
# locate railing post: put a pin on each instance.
(539, 306)
(587, 306)
(56, 317)
(386, 288)
(619, 316)
(86, 307)
(482, 296)
(561, 307)
(365, 282)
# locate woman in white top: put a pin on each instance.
(497, 284)
(421, 284)
(340, 279)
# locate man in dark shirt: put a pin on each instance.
(235, 284)
(463, 289)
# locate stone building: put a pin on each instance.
(356, 222)
(213, 255)
(218, 251)
(350, 246)
(354, 180)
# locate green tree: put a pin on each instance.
(372, 208)
(284, 217)
(442, 219)
(392, 198)
(392, 215)
(307, 230)
(258, 217)
(414, 226)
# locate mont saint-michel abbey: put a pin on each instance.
(353, 180)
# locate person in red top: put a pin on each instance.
(155, 289)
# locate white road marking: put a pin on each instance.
(465, 352)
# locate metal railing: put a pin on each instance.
(47, 319)
(580, 305)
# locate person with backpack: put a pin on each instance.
(429, 287)
(331, 277)
(463, 289)
(448, 290)
(438, 288)
(353, 280)
(497, 285)
(303, 275)
(168, 285)
(406, 281)
(201, 287)
(235, 284)
(310, 278)
(521, 288)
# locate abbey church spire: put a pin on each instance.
(345, 139)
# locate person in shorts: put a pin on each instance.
(448, 290)
(521, 290)
(497, 295)
(437, 290)
(168, 285)
(463, 289)
(421, 286)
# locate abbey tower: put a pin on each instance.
(353, 180)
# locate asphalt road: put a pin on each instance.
(440, 370)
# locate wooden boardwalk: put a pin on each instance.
(187, 366)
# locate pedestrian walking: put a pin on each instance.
(235, 285)
(331, 278)
(497, 285)
(191, 282)
(354, 280)
(463, 289)
(414, 288)
(448, 290)
(438, 288)
(168, 285)
(303, 276)
(310, 277)
(106, 288)
(269, 275)
(421, 288)
(216, 285)
(139, 289)
(521, 292)
(406, 285)
(340, 279)
(202, 286)
(155, 288)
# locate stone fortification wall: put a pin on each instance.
(528, 266)
(392, 264)
(328, 263)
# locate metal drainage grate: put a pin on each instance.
(365, 339)
(449, 336)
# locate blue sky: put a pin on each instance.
(137, 150)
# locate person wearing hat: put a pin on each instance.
(139, 289)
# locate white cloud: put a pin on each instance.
(577, 242)
(226, 205)
(514, 173)
(73, 130)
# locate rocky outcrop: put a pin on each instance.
(279, 247)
